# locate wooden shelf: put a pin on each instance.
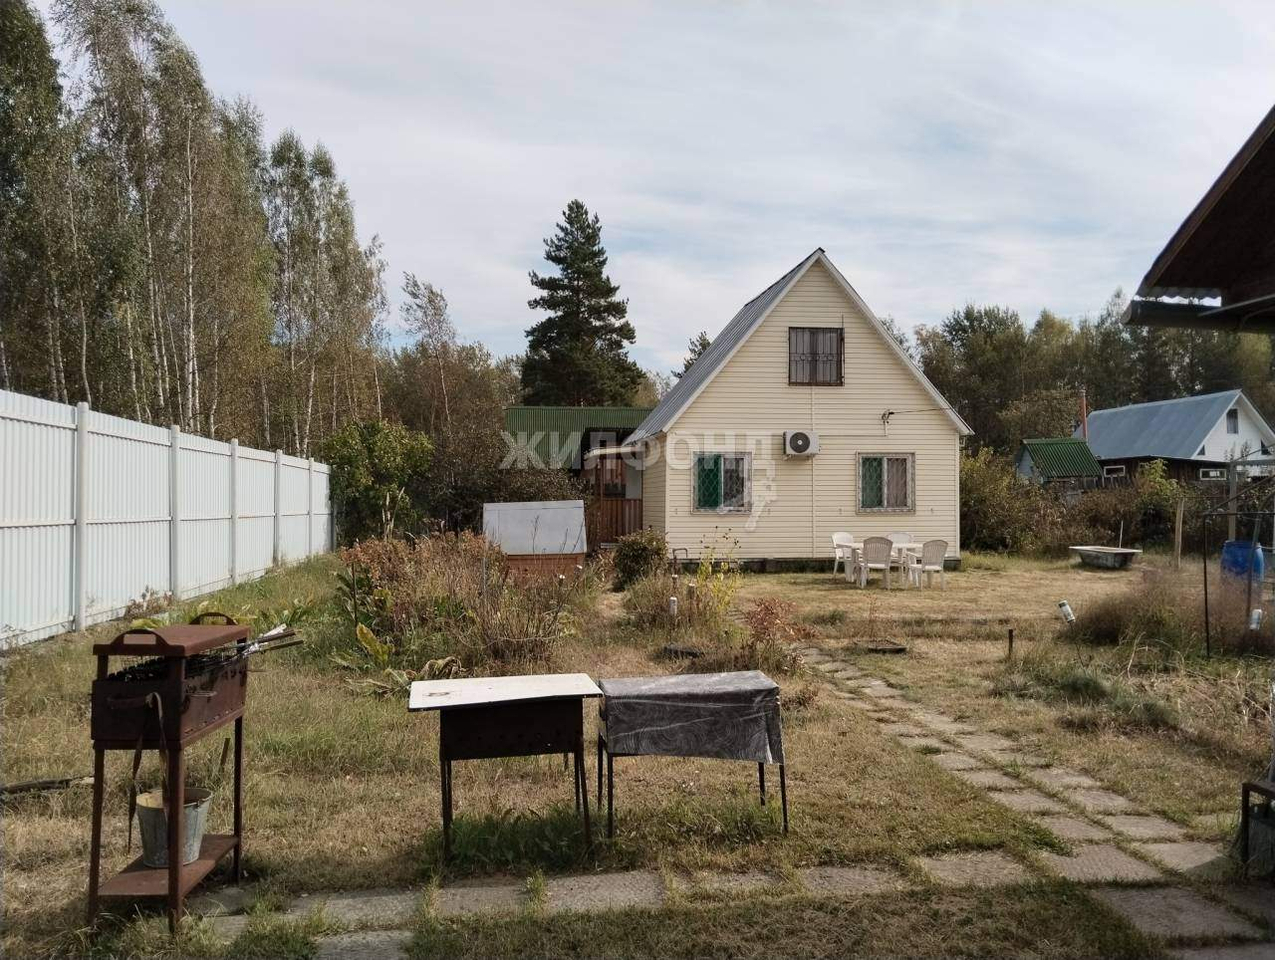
(139, 880)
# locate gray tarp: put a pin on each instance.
(728, 716)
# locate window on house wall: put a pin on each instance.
(1232, 421)
(886, 482)
(723, 482)
(1114, 471)
(815, 356)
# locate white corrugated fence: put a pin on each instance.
(98, 512)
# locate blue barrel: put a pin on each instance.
(1239, 559)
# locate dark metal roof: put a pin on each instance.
(1058, 457)
(1226, 246)
(554, 434)
(1173, 429)
(723, 345)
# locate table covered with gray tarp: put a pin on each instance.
(727, 716)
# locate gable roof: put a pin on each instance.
(1225, 241)
(1058, 457)
(1174, 429)
(674, 403)
(554, 434)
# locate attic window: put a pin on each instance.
(815, 356)
(1232, 421)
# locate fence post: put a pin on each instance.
(278, 470)
(81, 510)
(309, 508)
(234, 511)
(174, 515)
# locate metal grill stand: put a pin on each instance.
(198, 695)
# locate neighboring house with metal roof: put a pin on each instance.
(559, 437)
(1195, 436)
(1057, 459)
(803, 418)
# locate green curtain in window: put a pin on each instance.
(871, 484)
(708, 482)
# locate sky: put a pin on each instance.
(1031, 154)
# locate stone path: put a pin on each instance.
(1108, 840)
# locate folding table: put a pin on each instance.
(727, 716)
(482, 718)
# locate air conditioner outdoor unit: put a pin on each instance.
(801, 443)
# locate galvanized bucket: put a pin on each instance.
(152, 823)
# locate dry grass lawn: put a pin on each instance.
(342, 788)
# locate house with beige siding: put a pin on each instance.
(804, 418)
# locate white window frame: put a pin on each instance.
(746, 506)
(1115, 470)
(885, 457)
(1217, 473)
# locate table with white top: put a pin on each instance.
(904, 553)
(482, 718)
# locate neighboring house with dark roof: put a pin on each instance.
(559, 437)
(1195, 436)
(803, 418)
(1054, 460)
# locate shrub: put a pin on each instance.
(1001, 510)
(703, 600)
(440, 605)
(1167, 608)
(637, 555)
(378, 470)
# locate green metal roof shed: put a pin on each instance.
(1057, 458)
(552, 436)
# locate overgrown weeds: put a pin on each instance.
(443, 605)
(690, 605)
(1167, 608)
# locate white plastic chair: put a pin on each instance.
(877, 553)
(842, 552)
(929, 563)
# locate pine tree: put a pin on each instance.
(695, 348)
(576, 356)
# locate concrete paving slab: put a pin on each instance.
(1099, 801)
(605, 891)
(894, 703)
(1175, 914)
(849, 881)
(228, 927)
(1072, 828)
(467, 897)
(988, 779)
(1059, 778)
(1018, 758)
(923, 743)
(223, 902)
(984, 868)
(1188, 856)
(1256, 899)
(1221, 824)
(880, 691)
(1142, 826)
(1027, 801)
(896, 729)
(984, 742)
(952, 760)
(366, 945)
(383, 908)
(1247, 951)
(1099, 863)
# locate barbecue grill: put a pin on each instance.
(179, 683)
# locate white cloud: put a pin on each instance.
(1036, 155)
